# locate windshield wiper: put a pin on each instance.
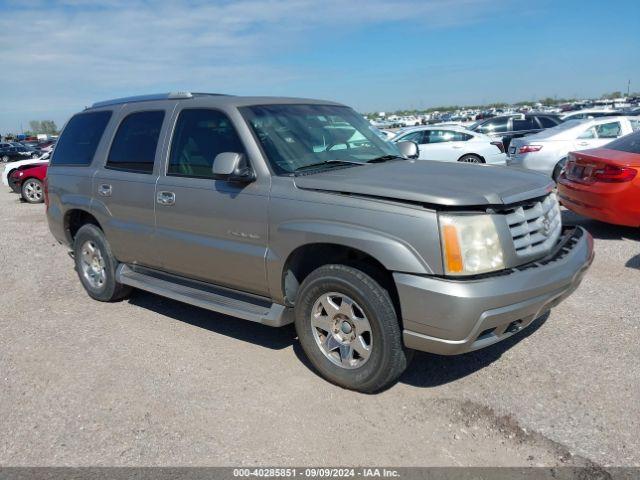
(385, 158)
(326, 162)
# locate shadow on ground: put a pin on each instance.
(426, 370)
(268, 337)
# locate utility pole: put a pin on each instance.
(628, 86)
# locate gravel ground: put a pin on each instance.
(150, 381)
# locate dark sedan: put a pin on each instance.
(9, 154)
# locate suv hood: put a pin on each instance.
(435, 183)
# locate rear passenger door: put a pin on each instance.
(210, 230)
(599, 135)
(124, 183)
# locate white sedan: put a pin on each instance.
(454, 144)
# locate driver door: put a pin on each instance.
(211, 230)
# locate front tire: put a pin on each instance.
(96, 265)
(348, 328)
(32, 191)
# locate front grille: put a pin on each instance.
(535, 227)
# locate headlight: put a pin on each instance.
(470, 244)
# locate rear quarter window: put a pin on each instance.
(79, 140)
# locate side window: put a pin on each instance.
(546, 122)
(414, 137)
(80, 138)
(525, 124)
(609, 130)
(134, 146)
(587, 134)
(635, 125)
(461, 137)
(440, 136)
(199, 136)
(498, 125)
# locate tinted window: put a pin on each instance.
(413, 137)
(635, 124)
(525, 124)
(498, 125)
(80, 138)
(439, 136)
(200, 135)
(628, 143)
(547, 122)
(134, 146)
(589, 133)
(608, 130)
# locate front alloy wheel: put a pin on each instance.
(341, 330)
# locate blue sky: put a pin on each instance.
(59, 56)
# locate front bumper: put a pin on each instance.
(450, 317)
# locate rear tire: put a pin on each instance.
(470, 158)
(96, 265)
(348, 328)
(32, 191)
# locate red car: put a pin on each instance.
(29, 182)
(604, 183)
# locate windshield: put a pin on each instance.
(298, 136)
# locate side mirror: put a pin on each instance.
(408, 149)
(232, 167)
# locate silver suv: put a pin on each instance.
(282, 210)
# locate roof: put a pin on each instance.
(217, 98)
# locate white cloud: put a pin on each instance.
(66, 54)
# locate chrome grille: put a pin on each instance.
(535, 227)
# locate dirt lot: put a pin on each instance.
(150, 381)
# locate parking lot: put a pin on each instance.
(150, 381)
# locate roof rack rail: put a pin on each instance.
(149, 98)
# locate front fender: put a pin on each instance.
(402, 240)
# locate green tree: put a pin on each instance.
(35, 126)
(48, 127)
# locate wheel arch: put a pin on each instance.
(470, 154)
(74, 219)
(307, 258)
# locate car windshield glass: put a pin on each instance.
(297, 136)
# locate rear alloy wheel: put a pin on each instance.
(32, 191)
(5, 158)
(470, 158)
(348, 328)
(96, 265)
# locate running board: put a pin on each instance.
(228, 302)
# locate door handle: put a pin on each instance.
(583, 144)
(104, 190)
(166, 198)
